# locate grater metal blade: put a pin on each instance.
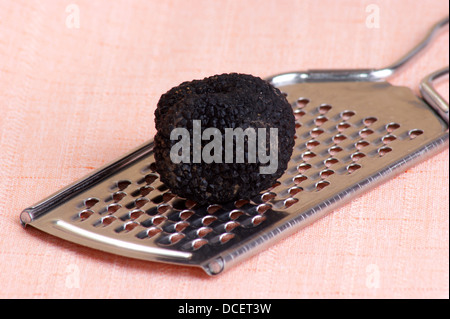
(353, 131)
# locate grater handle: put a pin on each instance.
(359, 74)
(431, 96)
(432, 33)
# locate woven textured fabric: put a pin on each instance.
(79, 83)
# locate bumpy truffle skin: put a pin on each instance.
(222, 101)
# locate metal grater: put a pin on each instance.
(353, 131)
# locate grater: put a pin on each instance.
(354, 131)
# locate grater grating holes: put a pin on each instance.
(302, 102)
(90, 202)
(178, 221)
(414, 133)
(85, 214)
(324, 108)
(369, 120)
(392, 127)
(346, 115)
(342, 126)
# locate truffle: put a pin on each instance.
(223, 138)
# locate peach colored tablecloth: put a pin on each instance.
(76, 94)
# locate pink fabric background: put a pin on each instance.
(73, 99)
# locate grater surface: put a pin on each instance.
(351, 135)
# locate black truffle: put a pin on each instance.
(225, 102)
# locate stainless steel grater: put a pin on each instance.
(354, 131)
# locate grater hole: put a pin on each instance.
(326, 173)
(414, 133)
(186, 214)
(208, 220)
(302, 102)
(321, 185)
(268, 196)
(213, 208)
(224, 238)
(299, 178)
(331, 161)
(365, 132)
(369, 120)
(261, 209)
(152, 231)
(168, 196)
(392, 127)
(308, 156)
(342, 126)
(299, 113)
(158, 220)
(163, 208)
(118, 196)
(257, 220)
(135, 214)
(175, 238)
(108, 220)
(346, 115)
(324, 108)
(316, 132)
(180, 226)
(290, 201)
(145, 190)
(112, 208)
(353, 168)
(339, 138)
(361, 144)
(311, 144)
(203, 231)
(90, 202)
(229, 226)
(388, 139)
(123, 184)
(384, 150)
(140, 202)
(235, 214)
(150, 178)
(130, 226)
(295, 190)
(357, 156)
(85, 214)
(320, 120)
(284, 94)
(241, 202)
(198, 243)
(334, 150)
(303, 167)
(297, 125)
